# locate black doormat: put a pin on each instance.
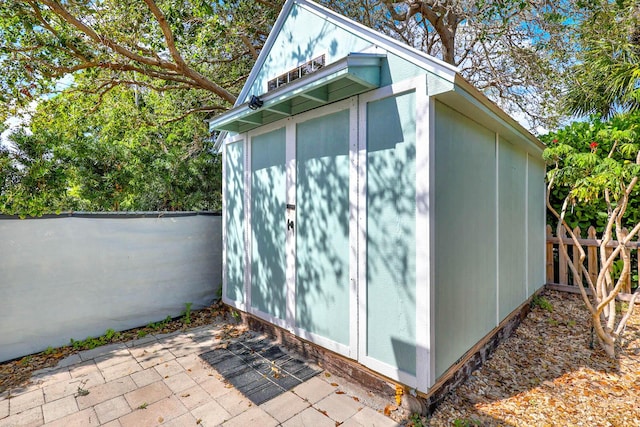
(258, 368)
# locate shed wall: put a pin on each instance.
(489, 231)
(536, 219)
(391, 229)
(294, 47)
(465, 235)
(512, 227)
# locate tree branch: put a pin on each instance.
(180, 67)
(180, 63)
(194, 110)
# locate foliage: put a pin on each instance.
(187, 313)
(90, 343)
(604, 79)
(541, 302)
(459, 422)
(161, 324)
(608, 172)
(578, 138)
(33, 177)
(120, 156)
(417, 420)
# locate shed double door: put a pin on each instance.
(301, 275)
(331, 230)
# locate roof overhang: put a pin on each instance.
(352, 75)
(468, 100)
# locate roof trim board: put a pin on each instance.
(359, 71)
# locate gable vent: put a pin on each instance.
(298, 72)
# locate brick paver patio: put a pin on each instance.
(166, 380)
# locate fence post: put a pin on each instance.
(626, 288)
(563, 276)
(576, 258)
(638, 261)
(592, 254)
(550, 275)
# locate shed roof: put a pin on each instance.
(464, 94)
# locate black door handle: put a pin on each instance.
(289, 224)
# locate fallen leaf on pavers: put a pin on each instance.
(389, 409)
(199, 420)
(185, 395)
(355, 398)
(275, 371)
(228, 386)
(160, 419)
(334, 384)
(339, 392)
(323, 412)
(327, 374)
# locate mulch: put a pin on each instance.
(547, 374)
(17, 373)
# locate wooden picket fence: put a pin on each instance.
(559, 275)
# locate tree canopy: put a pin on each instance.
(118, 157)
(205, 48)
(604, 79)
(513, 51)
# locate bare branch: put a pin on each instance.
(249, 45)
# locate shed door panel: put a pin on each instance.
(268, 226)
(391, 228)
(235, 224)
(322, 237)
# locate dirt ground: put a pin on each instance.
(547, 374)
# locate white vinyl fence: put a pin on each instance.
(77, 275)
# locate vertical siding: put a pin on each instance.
(235, 221)
(537, 221)
(512, 227)
(268, 225)
(322, 235)
(391, 225)
(465, 257)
